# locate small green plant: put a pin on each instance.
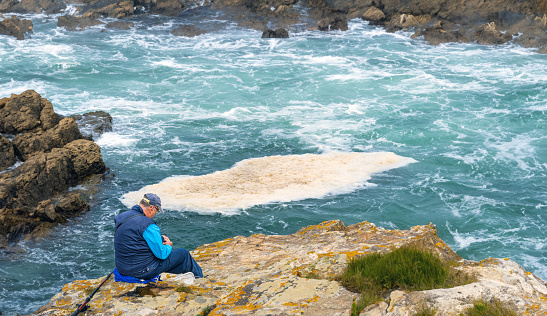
(491, 308)
(184, 289)
(207, 310)
(426, 310)
(406, 268)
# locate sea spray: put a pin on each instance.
(270, 179)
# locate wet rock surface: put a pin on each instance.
(187, 31)
(294, 274)
(15, 27)
(95, 123)
(54, 157)
(77, 23)
(485, 22)
(278, 33)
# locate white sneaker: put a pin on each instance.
(186, 278)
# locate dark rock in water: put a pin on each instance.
(40, 141)
(279, 33)
(32, 198)
(15, 27)
(109, 8)
(543, 50)
(187, 31)
(7, 154)
(333, 24)
(436, 35)
(73, 203)
(77, 23)
(374, 15)
(120, 25)
(32, 6)
(26, 112)
(487, 34)
(93, 124)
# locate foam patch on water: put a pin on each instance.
(270, 179)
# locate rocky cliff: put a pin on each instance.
(435, 21)
(294, 274)
(42, 155)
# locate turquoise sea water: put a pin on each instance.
(474, 118)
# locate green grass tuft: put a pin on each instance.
(492, 308)
(184, 289)
(406, 268)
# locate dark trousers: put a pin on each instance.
(179, 261)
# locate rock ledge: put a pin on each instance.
(293, 274)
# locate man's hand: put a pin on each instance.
(166, 240)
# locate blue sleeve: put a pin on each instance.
(153, 239)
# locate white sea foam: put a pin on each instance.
(115, 140)
(270, 179)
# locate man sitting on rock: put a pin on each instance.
(141, 251)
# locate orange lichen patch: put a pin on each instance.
(291, 304)
(246, 308)
(489, 261)
(206, 251)
(63, 302)
(324, 226)
(349, 254)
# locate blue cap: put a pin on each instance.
(153, 199)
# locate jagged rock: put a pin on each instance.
(7, 154)
(487, 34)
(436, 35)
(86, 158)
(286, 275)
(32, 6)
(543, 50)
(405, 21)
(333, 24)
(37, 179)
(72, 204)
(93, 124)
(32, 198)
(77, 23)
(187, 31)
(374, 15)
(109, 8)
(39, 141)
(25, 112)
(120, 25)
(167, 7)
(279, 33)
(15, 27)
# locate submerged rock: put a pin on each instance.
(187, 31)
(15, 27)
(55, 158)
(32, 6)
(7, 154)
(278, 33)
(120, 25)
(294, 274)
(77, 23)
(94, 124)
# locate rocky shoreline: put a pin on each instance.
(294, 274)
(49, 171)
(438, 21)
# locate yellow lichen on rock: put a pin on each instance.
(293, 274)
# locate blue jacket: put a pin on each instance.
(137, 243)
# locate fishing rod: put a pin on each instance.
(83, 307)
